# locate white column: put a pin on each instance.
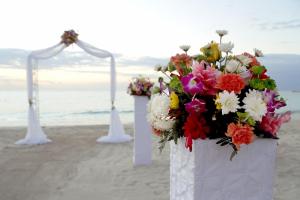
(206, 173)
(142, 133)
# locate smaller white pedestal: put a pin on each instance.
(142, 152)
(206, 173)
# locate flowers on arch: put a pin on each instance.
(140, 86)
(69, 37)
(216, 94)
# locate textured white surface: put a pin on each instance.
(208, 174)
(142, 152)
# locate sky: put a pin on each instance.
(137, 29)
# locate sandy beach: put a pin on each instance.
(75, 167)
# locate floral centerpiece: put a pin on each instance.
(140, 86)
(216, 95)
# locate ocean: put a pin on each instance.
(84, 107)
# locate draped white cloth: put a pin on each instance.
(35, 134)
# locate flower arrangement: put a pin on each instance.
(216, 95)
(140, 86)
(69, 37)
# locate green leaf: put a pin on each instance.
(175, 84)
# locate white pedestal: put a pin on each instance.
(206, 173)
(142, 151)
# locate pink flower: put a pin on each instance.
(272, 101)
(196, 106)
(254, 61)
(191, 85)
(207, 75)
(271, 122)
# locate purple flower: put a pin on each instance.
(196, 106)
(190, 84)
(272, 101)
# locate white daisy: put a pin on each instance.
(221, 33)
(254, 105)
(229, 102)
(158, 109)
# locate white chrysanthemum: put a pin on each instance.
(255, 105)
(232, 65)
(158, 109)
(244, 59)
(221, 33)
(226, 47)
(229, 102)
(258, 53)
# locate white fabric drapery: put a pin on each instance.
(35, 134)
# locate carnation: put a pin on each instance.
(254, 105)
(158, 110)
(240, 134)
(231, 82)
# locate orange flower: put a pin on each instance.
(240, 134)
(181, 61)
(231, 82)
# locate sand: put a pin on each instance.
(75, 167)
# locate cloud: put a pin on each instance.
(279, 25)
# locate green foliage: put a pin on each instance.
(256, 83)
(270, 84)
(257, 70)
(200, 57)
(171, 67)
(244, 117)
(259, 84)
(176, 85)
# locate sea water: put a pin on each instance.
(85, 107)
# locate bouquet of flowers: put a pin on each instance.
(216, 95)
(140, 86)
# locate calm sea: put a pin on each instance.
(84, 107)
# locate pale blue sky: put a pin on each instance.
(142, 34)
(153, 27)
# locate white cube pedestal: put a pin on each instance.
(206, 173)
(142, 153)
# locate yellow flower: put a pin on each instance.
(211, 51)
(174, 101)
(218, 103)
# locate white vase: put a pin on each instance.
(207, 173)
(142, 133)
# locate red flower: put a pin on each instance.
(194, 128)
(240, 134)
(254, 61)
(231, 82)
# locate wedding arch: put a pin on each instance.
(35, 134)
